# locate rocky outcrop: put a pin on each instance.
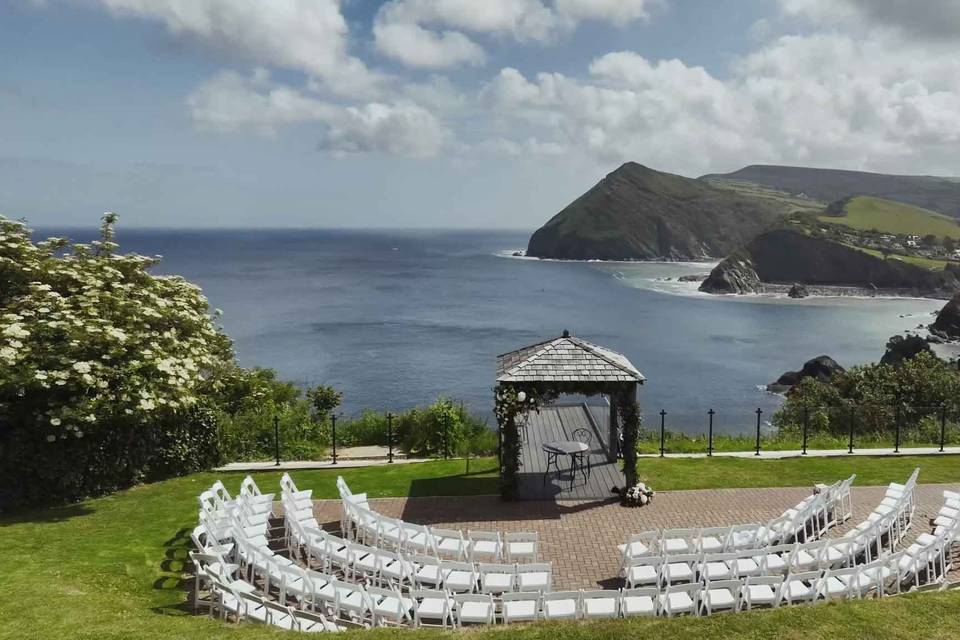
(947, 324)
(735, 274)
(798, 291)
(822, 368)
(637, 213)
(787, 255)
(901, 348)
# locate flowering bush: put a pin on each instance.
(99, 361)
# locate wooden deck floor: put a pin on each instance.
(559, 423)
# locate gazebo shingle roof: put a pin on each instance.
(566, 359)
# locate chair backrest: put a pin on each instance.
(519, 536)
(249, 487)
(488, 536)
(573, 596)
(455, 565)
(490, 567)
(583, 435)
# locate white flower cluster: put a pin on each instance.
(85, 333)
(638, 495)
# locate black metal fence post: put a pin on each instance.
(759, 413)
(333, 437)
(446, 438)
(390, 438)
(850, 418)
(943, 425)
(710, 433)
(663, 419)
(806, 427)
(276, 437)
(896, 441)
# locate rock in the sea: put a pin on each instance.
(694, 277)
(947, 324)
(822, 368)
(798, 291)
(900, 348)
(735, 274)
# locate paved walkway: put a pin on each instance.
(581, 537)
(815, 453)
(293, 465)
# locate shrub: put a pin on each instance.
(108, 374)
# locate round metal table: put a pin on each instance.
(573, 448)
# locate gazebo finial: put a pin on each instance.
(566, 334)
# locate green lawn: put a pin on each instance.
(886, 216)
(111, 567)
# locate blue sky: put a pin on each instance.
(448, 113)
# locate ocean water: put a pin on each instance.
(395, 319)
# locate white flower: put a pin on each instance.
(55, 422)
(51, 438)
(82, 367)
(15, 330)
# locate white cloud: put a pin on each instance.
(430, 33)
(824, 99)
(417, 47)
(615, 11)
(931, 18)
(306, 35)
(404, 129)
(230, 102)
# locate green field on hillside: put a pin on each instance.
(886, 216)
(920, 261)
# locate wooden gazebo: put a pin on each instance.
(533, 376)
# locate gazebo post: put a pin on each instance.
(614, 449)
(629, 410)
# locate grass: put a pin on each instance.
(886, 216)
(920, 261)
(675, 442)
(112, 567)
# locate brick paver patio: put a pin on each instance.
(581, 538)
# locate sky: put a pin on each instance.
(449, 113)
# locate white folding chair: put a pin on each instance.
(600, 604)
(426, 571)
(680, 599)
(521, 546)
(432, 604)
(520, 606)
(389, 606)
(719, 566)
(644, 571)
(801, 588)
(485, 546)
(679, 541)
(449, 544)
(561, 605)
(712, 539)
(840, 584)
(473, 608)
(458, 577)
(643, 601)
(681, 569)
(535, 577)
(497, 578)
(722, 595)
(762, 591)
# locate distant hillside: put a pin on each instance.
(636, 213)
(786, 255)
(886, 216)
(827, 185)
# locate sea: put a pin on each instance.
(396, 319)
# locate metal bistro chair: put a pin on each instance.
(585, 436)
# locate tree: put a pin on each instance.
(949, 244)
(324, 399)
(102, 365)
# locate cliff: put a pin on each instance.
(636, 213)
(785, 256)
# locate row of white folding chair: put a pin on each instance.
(377, 530)
(949, 514)
(838, 500)
(785, 528)
(381, 566)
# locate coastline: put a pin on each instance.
(772, 291)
